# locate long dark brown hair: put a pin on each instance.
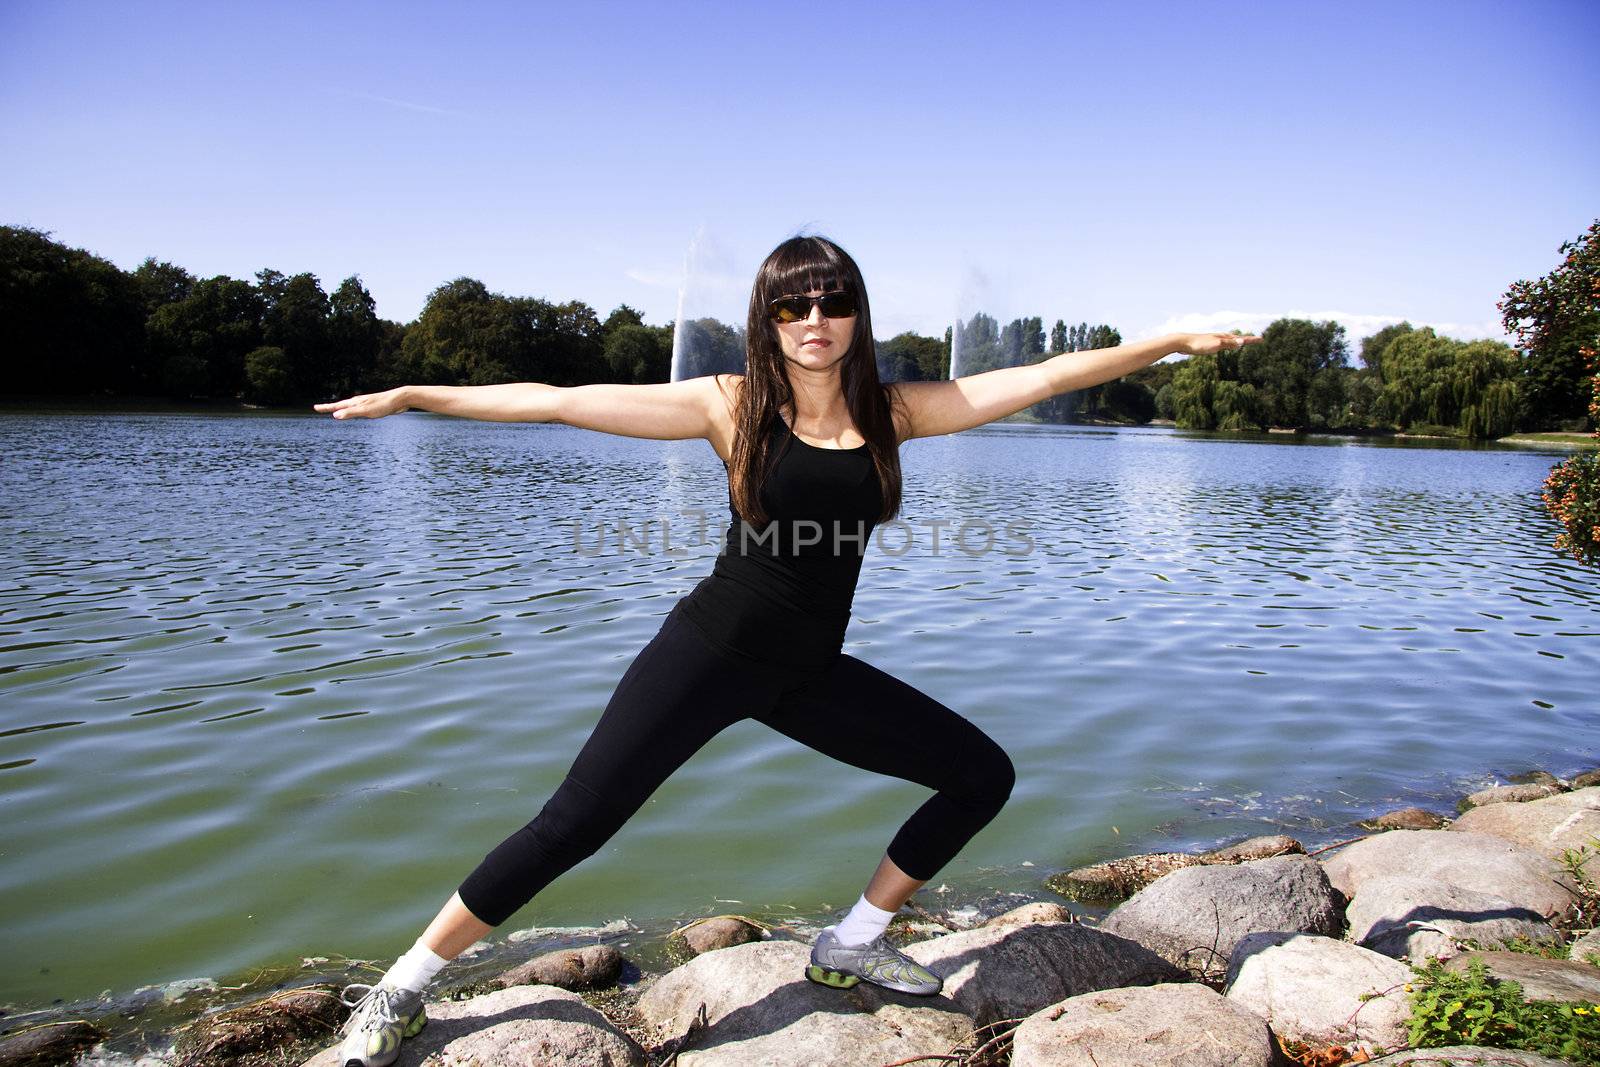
(800, 265)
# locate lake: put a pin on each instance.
(272, 684)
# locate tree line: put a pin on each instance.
(74, 323)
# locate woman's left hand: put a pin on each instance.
(1207, 344)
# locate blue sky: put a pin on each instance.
(1153, 166)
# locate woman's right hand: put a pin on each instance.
(367, 405)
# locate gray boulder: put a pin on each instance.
(1585, 946)
(1548, 826)
(1005, 972)
(1407, 819)
(524, 1024)
(1419, 917)
(1153, 1026)
(1310, 989)
(761, 1009)
(1481, 862)
(1194, 917)
(1512, 794)
(1541, 979)
(1465, 1056)
(590, 967)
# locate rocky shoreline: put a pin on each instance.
(1255, 954)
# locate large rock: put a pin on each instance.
(1194, 917)
(1541, 979)
(1154, 1026)
(1407, 819)
(1585, 946)
(1548, 826)
(247, 1034)
(49, 1044)
(721, 931)
(1465, 1056)
(524, 1024)
(761, 1009)
(1114, 880)
(590, 967)
(1512, 794)
(1255, 848)
(1586, 779)
(1480, 862)
(1311, 988)
(1004, 972)
(1419, 917)
(1039, 911)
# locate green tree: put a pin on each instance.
(710, 346)
(567, 343)
(623, 315)
(464, 336)
(1556, 321)
(354, 338)
(911, 357)
(978, 345)
(1167, 402)
(160, 282)
(1032, 338)
(1194, 388)
(635, 354)
(70, 321)
(1126, 400)
(1058, 337)
(199, 343)
(1292, 352)
(1441, 382)
(1088, 403)
(1372, 347)
(266, 372)
(295, 320)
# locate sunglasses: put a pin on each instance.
(835, 305)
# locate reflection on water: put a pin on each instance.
(273, 684)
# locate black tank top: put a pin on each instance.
(782, 593)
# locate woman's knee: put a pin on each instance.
(985, 775)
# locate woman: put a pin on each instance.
(810, 438)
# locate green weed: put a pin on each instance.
(1475, 1008)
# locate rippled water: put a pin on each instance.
(271, 685)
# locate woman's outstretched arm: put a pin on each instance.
(934, 408)
(665, 411)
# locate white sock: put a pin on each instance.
(864, 923)
(415, 969)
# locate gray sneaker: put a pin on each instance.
(382, 1018)
(842, 966)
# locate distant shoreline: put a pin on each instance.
(89, 404)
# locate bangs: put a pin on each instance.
(804, 265)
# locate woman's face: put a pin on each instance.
(815, 342)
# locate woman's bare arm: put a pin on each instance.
(934, 408)
(665, 411)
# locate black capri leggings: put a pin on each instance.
(682, 690)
